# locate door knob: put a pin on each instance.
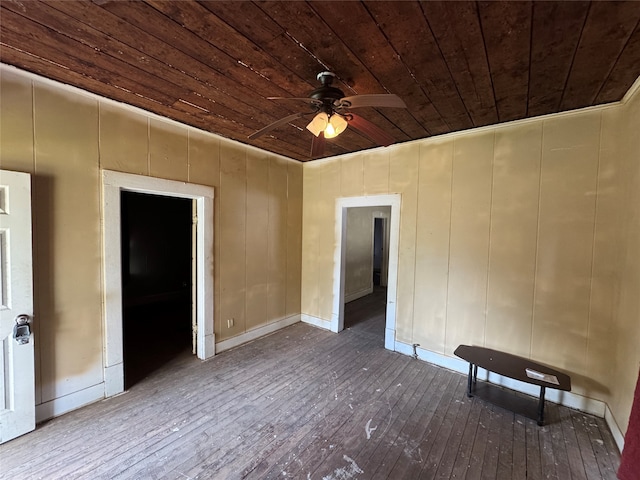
(22, 329)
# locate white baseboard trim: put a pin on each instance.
(618, 436)
(315, 321)
(568, 399)
(73, 401)
(207, 345)
(256, 333)
(354, 296)
(113, 380)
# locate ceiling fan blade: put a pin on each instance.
(312, 101)
(276, 124)
(373, 100)
(370, 130)
(317, 145)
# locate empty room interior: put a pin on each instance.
(251, 239)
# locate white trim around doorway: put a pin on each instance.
(112, 184)
(342, 204)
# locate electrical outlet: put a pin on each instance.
(229, 322)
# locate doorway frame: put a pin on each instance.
(342, 204)
(113, 183)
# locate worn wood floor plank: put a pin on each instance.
(532, 430)
(380, 456)
(479, 443)
(519, 449)
(353, 436)
(492, 449)
(312, 405)
(317, 445)
(447, 461)
(548, 456)
(321, 393)
(446, 430)
(224, 397)
(291, 457)
(261, 402)
(506, 441)
(422, 433)
(154, 406)
(463, 457)
(594, 454)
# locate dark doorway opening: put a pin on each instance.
(157, 270)
(378, 242)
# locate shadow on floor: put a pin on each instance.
(367, 313)
(153, 336)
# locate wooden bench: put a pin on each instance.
(515, 367)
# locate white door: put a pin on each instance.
(17, 377)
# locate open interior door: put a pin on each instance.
(17, 377)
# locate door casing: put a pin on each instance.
(112, 184)
(342, 204)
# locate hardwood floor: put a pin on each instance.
(304, 403)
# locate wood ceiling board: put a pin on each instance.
(222, 108)
(605, 34)
(187, 44)
(248, 19)
(353, 24)
(112, 53)
(462, 46)
(312, 34)
(222, 65)
(282, 47)
(220, 36)
(252, 22)
(42, 41)
(556, 32)
(413, 40)
(506, 28)
(624, 72)
(159, 59)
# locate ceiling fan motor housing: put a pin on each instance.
(326, 93)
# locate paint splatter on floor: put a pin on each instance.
(346, 472)
(369, 430)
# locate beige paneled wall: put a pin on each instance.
(66, 207)
(63, 138)
(513, 248)
(625, 300)
(432, 235)
(509, 238)
(469, 240)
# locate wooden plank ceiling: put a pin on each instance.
(211, 64)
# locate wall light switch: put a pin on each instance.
(229, 322)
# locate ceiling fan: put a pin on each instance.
(333, 115)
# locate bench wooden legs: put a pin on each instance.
(541, 407)
(473, 376)
(471, 380)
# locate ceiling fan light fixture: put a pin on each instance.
(318, 124)
(337, 124)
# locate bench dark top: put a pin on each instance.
(511, 366)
